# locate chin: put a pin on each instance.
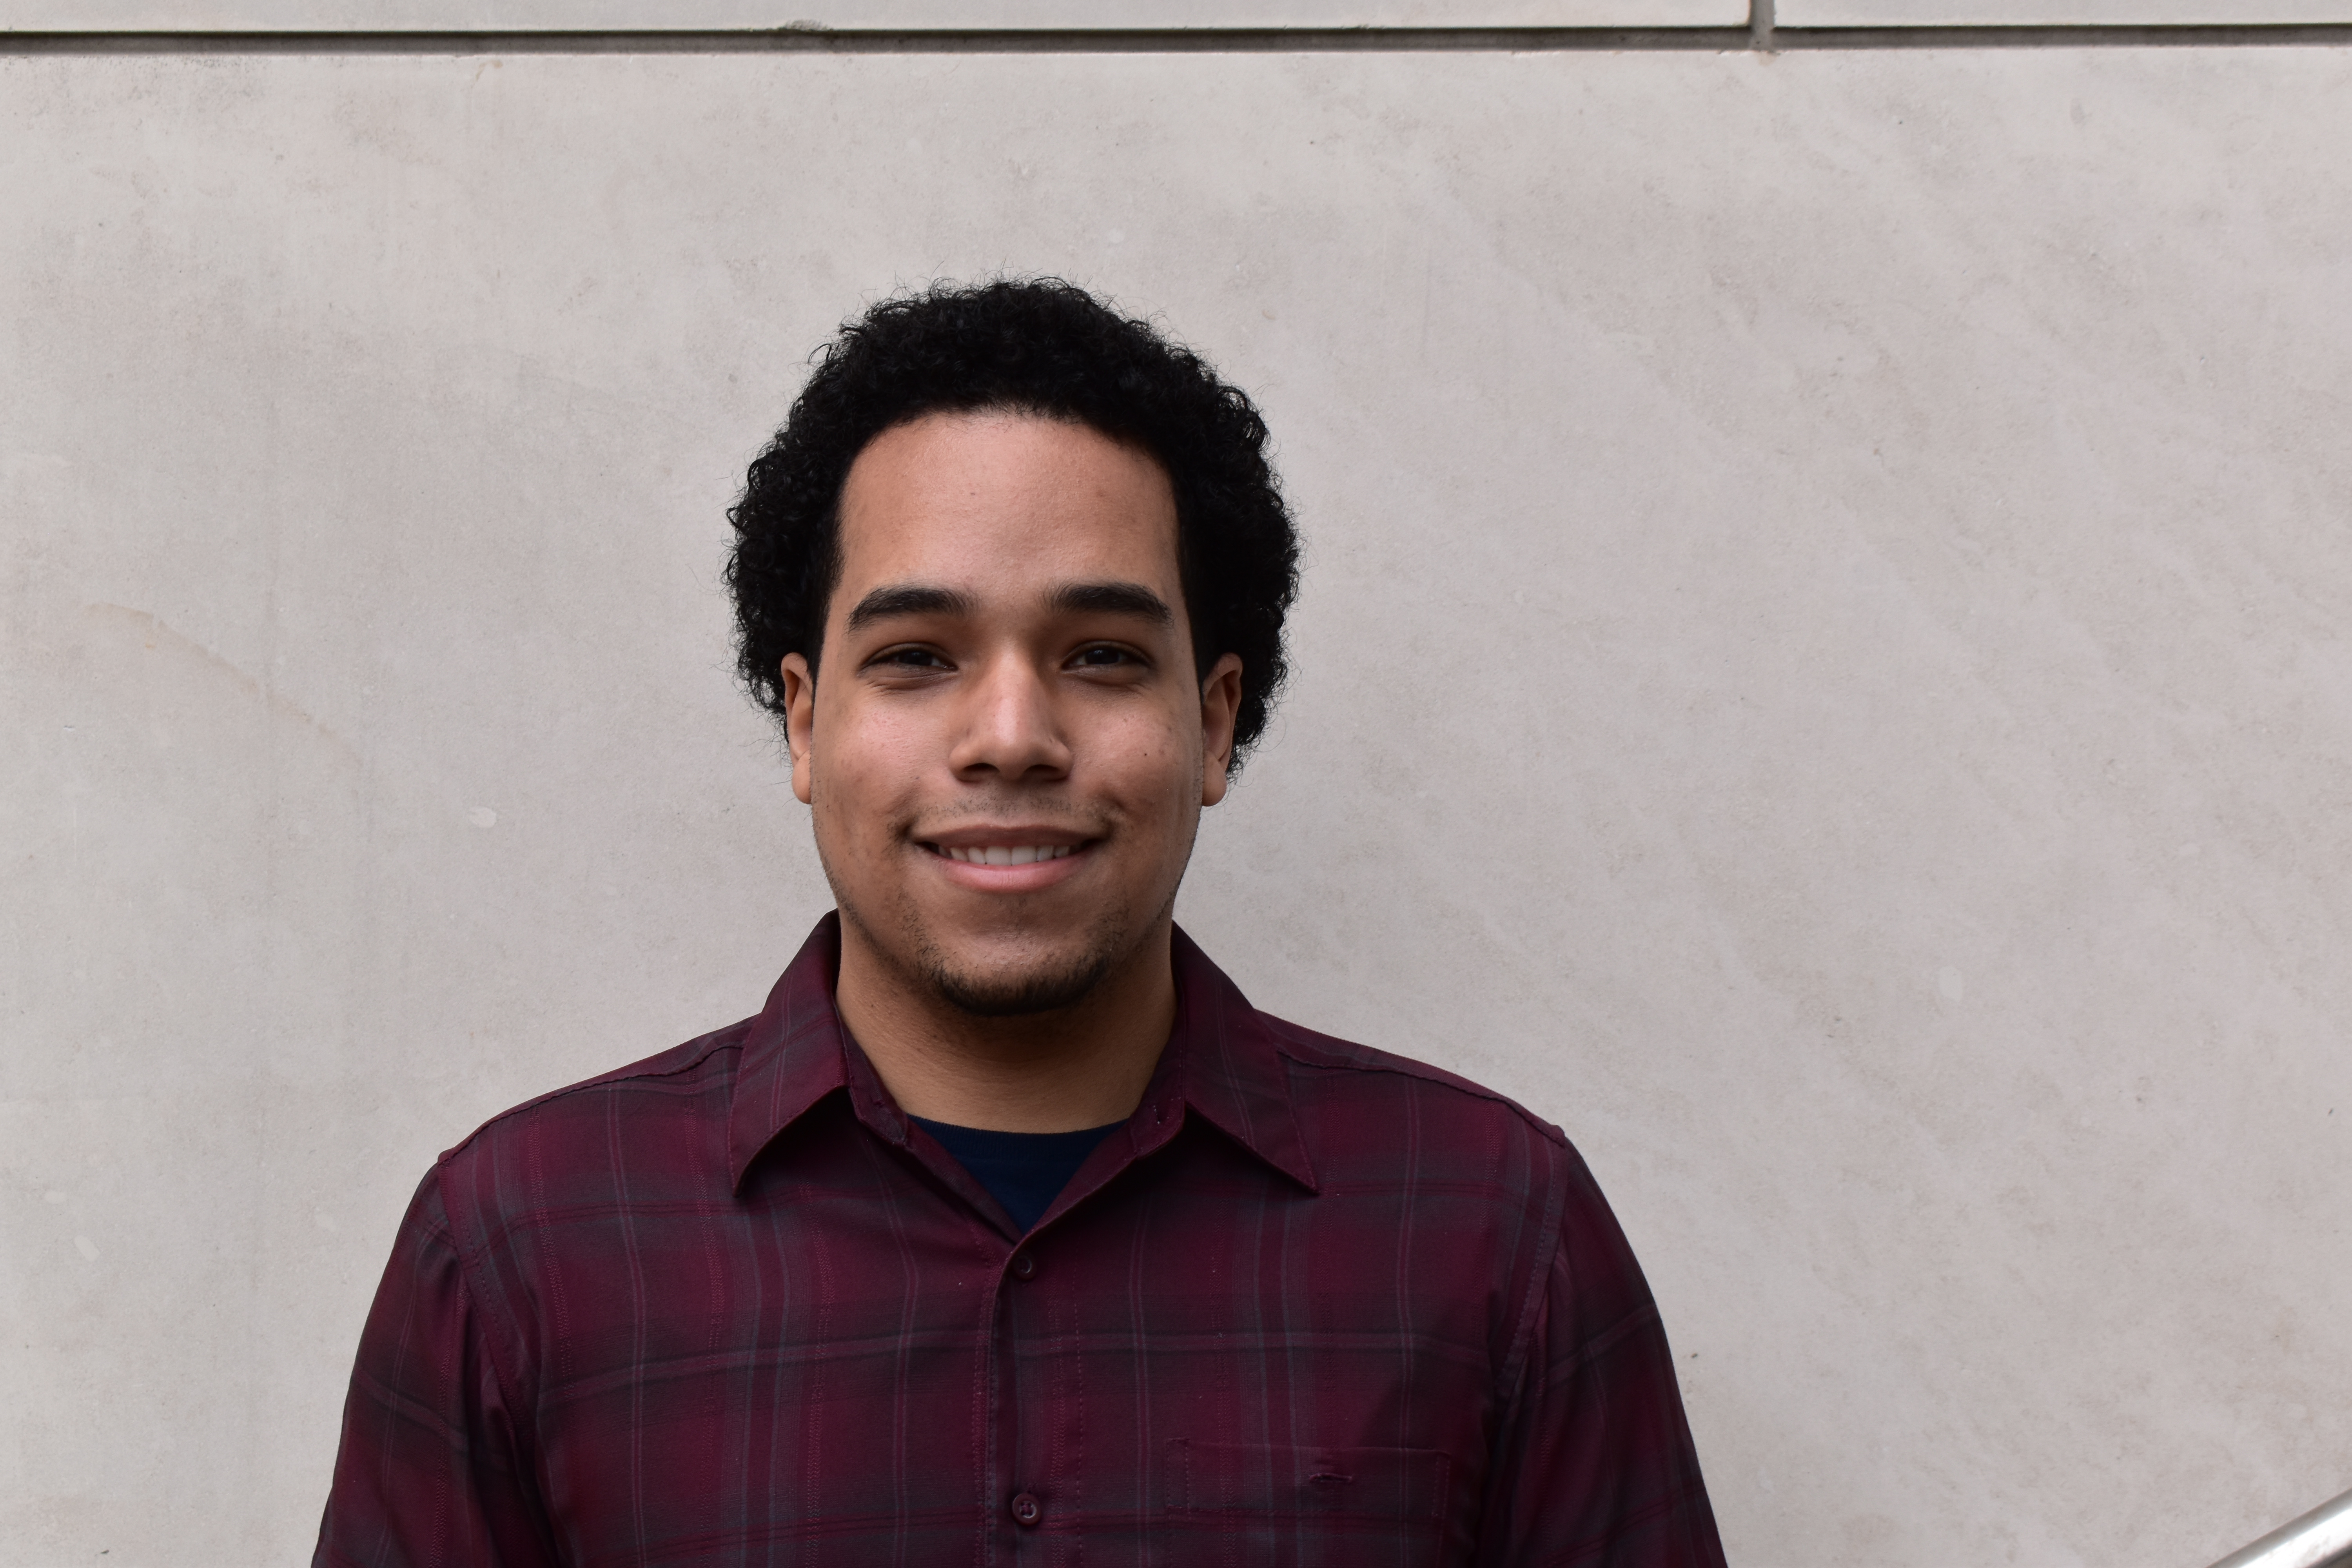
(1011, 974)
(1034, 984)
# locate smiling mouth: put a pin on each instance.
(1005, 854)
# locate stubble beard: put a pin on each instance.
(1060, 982)
(923, 965)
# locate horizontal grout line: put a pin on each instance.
(2107, 34)
(1780, 39)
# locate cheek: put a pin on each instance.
(1156, 774)
(864, 774)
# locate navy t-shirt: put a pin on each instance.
(1026, 1172)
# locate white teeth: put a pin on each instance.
(1010, 854)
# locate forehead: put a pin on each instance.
(1004, 505)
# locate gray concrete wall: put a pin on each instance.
(1823, 669)
(576, 15)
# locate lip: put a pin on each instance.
(1032, 877)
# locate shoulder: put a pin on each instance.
(1450, 1157)
(1324, 1063)
(1368, 1113)
(680, 1075)
(655, 1122)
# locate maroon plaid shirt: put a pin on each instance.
(1313, 1305)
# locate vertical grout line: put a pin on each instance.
(1759, 25)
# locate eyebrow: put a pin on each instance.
(1071, 599)
(908, 599)
(1113, 599)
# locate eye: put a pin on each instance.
(1104, 655)
(907, 657)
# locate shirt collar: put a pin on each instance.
(1221, 1064)
(795, 1053)
(1222, 1060)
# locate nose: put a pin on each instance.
(1009, 726)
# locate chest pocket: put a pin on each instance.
(1349, 1508)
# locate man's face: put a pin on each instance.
(1007, 751)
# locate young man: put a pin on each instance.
(1009, 1232)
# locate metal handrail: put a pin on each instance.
(2320, 1538)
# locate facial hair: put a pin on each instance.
(1046, 988)
(1057, 981)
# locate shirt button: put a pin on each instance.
(1027, 1510)
(1025, 1267)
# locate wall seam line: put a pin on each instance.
(1761, 34)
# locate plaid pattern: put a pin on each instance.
(1312, 1305)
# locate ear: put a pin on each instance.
(800, 721)
(1220, 704)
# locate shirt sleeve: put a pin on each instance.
(430, 1468)
(1593, 1462)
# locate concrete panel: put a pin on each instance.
(1823, 669)
(2053, 13)
(593, 15)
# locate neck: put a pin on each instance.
(1085, 1065)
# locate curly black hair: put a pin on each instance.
(1038, 346)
